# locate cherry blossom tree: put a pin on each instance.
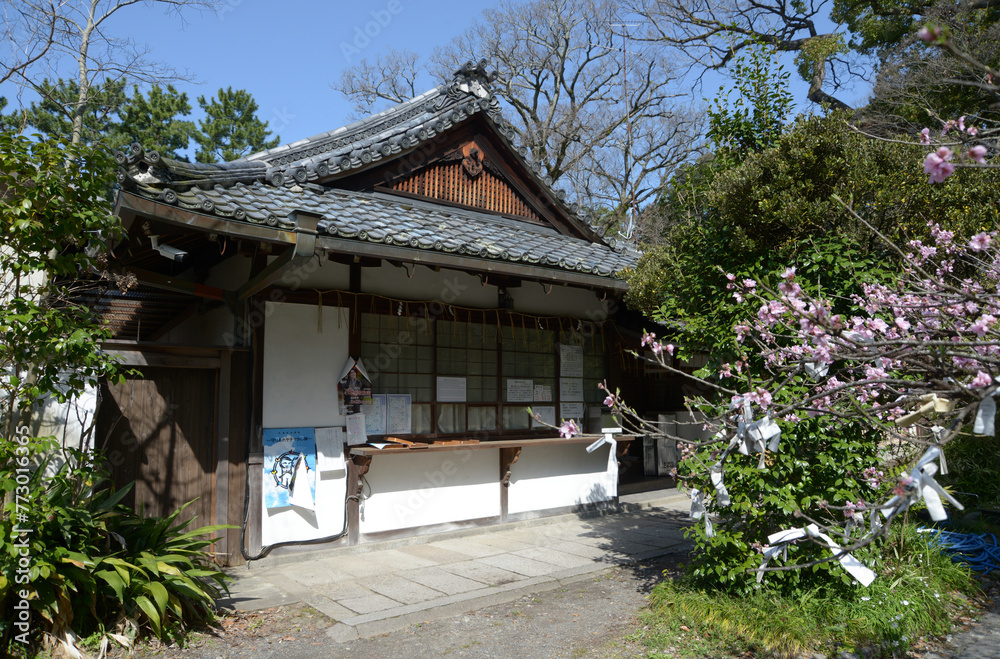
(833, 419)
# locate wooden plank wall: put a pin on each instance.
(158, 429)
(161, 430)
(449, 182)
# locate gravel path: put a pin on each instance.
(589, 618)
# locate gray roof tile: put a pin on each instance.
(381, 219)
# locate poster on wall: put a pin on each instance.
(330, 450)
(354, 387)
(544, 416)
(398, 419)
(375, 416)
(520, 391)
(571, 389)
(451, 390)
(543, 393)
(572, 410)
(570, 361)
(356, 430)
(289, 467)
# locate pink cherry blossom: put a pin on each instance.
(569, 429)
(925, 136)
(929, 34)
(979, 242)
(978, 154)
(981, 380)
(937, 166)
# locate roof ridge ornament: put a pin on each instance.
(473, 78)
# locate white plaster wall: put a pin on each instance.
(558, 476)
(71, 422)
(230, 274)
(449, 286)
(301, 365)
(430, 488)
(318, 274)
(531, 297)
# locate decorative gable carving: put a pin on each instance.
(468, 178)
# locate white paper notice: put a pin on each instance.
(451, 390)
(571, 410)
(356, 429)
(375, 415)
(570, 361)
(547, 415)
(398, 414)
(543, 393)
(330, 450)
(570, 389)
(520, 391)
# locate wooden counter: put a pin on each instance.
(491, 444)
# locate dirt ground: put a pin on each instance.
(591, 618)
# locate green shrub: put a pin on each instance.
(94, 566)
(918, 592)
(974, 470)
(816, 463)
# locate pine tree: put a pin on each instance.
(231, 128)
(154, 121)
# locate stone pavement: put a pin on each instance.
(379, 588)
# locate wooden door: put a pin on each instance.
(158, 430)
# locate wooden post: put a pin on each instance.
(357, 466)
(221, 490)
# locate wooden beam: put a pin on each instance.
(267, 276)
(176, 284)
(137, 358)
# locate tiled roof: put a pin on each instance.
(265, 187)
(387, 220)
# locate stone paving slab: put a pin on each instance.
(554, 557)
(482, 572)
(518, 564)
(444, 581)
(400, 589)
(376, 590)
(368, 603)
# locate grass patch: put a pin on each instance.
(917, 593)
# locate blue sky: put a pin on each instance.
(287, 54)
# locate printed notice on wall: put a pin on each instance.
(545, 415)
(571, 410)
(375, 415)
(543, 394)
(450, 390)
(570, 361)
(330, 449)
(398, 420)
(356, 429)
(570, 389)
(520, 391)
